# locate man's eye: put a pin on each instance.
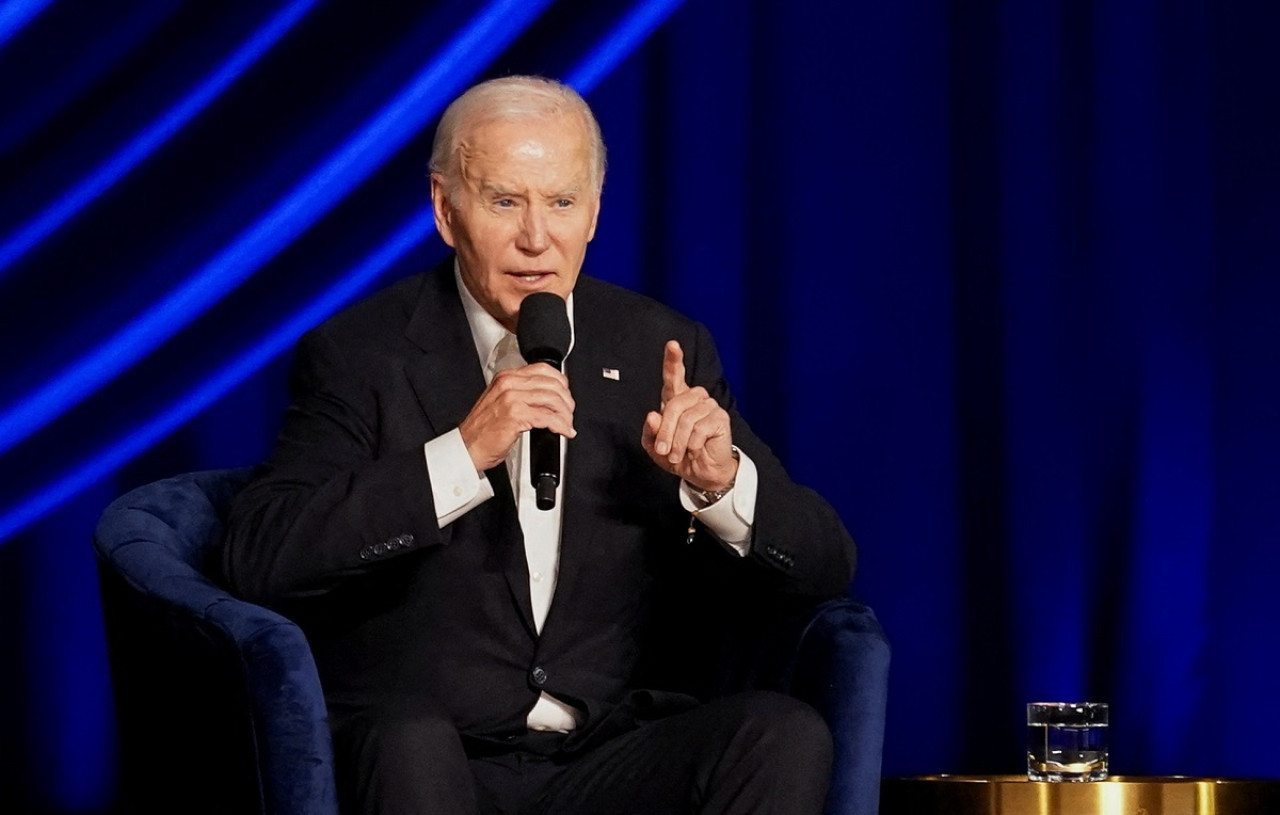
(564, 203)
(504, 203)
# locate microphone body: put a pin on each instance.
(543, 333)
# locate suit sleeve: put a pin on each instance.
(328, 504)
(796, 535)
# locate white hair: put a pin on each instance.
(511, 97)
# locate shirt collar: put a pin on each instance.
(486, 331)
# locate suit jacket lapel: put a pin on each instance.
(447, 380)
(446, 377)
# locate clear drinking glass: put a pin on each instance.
(1067, 741)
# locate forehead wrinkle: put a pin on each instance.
(472, 150)
(465, 155)
(497, 188)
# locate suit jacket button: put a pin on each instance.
(366, 553)
(538, 676)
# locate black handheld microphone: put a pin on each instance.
(543, 332)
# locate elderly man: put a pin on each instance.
(482, 654)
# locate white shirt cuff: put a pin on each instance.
(456, 487)
(730, 519)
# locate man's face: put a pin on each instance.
(523, 211)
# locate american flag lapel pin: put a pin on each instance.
(610, 373)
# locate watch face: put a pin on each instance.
(711, 497)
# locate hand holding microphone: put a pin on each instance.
(535, 397)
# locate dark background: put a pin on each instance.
(999, 279)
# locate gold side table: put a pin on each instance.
(1118, 795)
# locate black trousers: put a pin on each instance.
(754, 752)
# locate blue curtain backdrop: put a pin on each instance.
(1000, 279)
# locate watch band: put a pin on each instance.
(709, 497)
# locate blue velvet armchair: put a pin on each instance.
(219, 704)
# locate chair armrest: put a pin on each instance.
(842, 669)
(218, 700)
(835, 657)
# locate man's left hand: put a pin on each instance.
(691, 436)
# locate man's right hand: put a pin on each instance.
(515, 401)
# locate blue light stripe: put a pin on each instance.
(410, 234)
(484, 36)
(586, 75)
(634, 29)
(148, 140)
(15, 14)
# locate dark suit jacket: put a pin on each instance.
(338, 529)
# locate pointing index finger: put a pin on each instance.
(673, 382)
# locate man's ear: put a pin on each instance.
(595, 217)
(442, 208)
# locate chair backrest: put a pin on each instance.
(218, 702)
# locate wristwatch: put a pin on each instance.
(709, 497)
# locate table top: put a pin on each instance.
(1118, 795)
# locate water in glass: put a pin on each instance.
(1066, 742)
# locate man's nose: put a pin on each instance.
(534, 237)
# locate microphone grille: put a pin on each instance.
(542, 329)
